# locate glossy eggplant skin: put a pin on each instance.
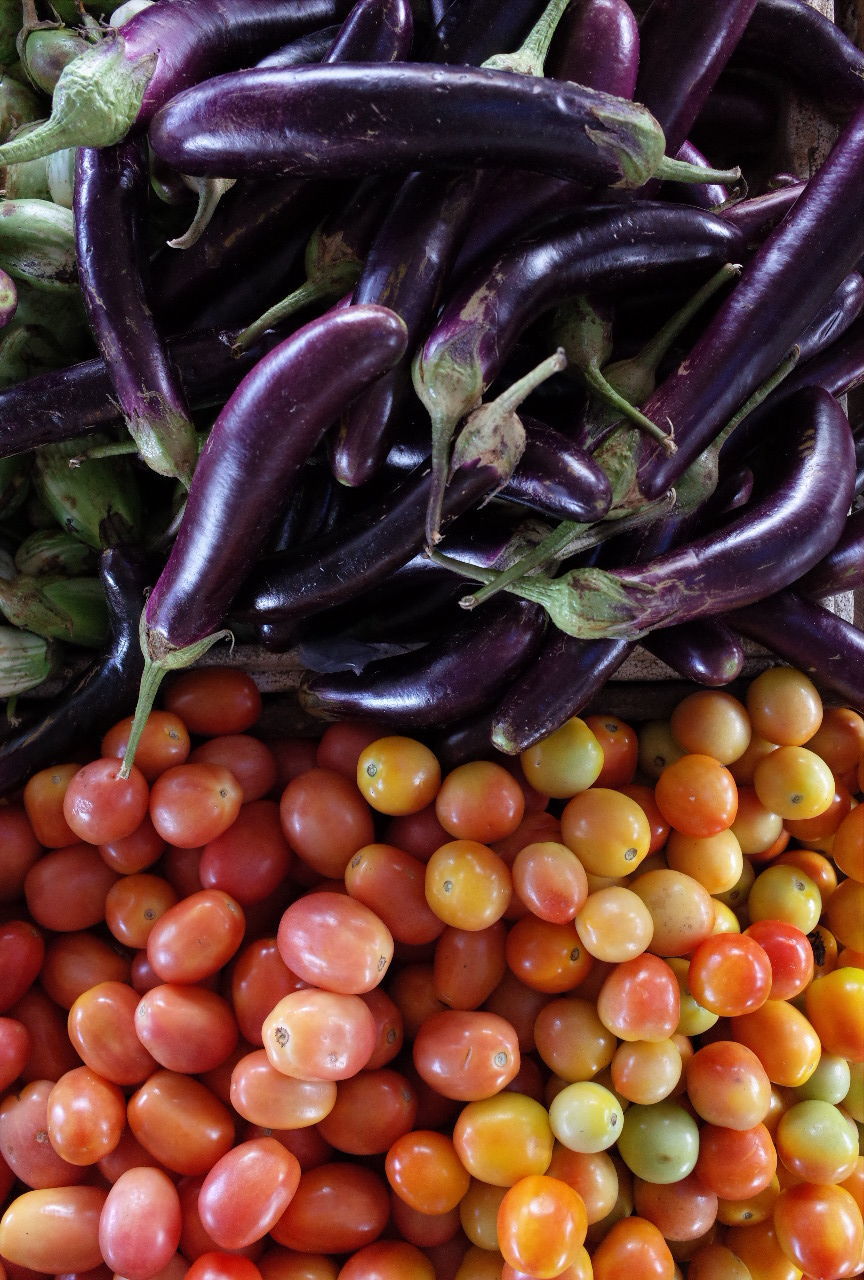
(796, 517)
(104, 694)
(705, 651)
(843, 567)
(683, 47)
(810, 637)
(340, 121)
(596, 43)
(464, 673)
(262, 437)
(783, 286)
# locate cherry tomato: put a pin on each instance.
(268, 1098)
(549, 957)
(249, 759)
(784, 1041)
(646, 1070)
(101, 805)
(586, 1117)
(332, 941)
(467, 884)
(136, 852)
(468, 964)
(794, 782)
(164, 742)
(14, 1050)
(819, 1228)
(789, 953)
(729, 974)
(213, 700)
(22, 953)
(571, 1038)
(659, 1143)
(319, 1035)
(192, 804)
(195, 937)
(139, 1227)
(372, 1109)
(608, 832)
(325, 820)
(186, 1027)
(85, 1116)
(633, 1247)
(566, 761)
(727, 1085)
(503, 1138)
(259, 978)
(614, 924)
(180, 1122)
(338, 1207)
(784, 705)
(66, 889)
(682, 1210)
(697, 795)
(541, 1225)
(480, 801)
(101, 1026)
(835, 1006)
(619, 742)
(424, 1170)
(550, 880)
(388, 1260)
(24, 1140)
(816, 1141)
(712, 722)
(681, 909)
(20, 850)
(246, 1192)
(640, 999)
(398, 775)
(134, 903)
(392, 884)
(53, 1229)
(225, 863)
(466, 1055)
(43, 802)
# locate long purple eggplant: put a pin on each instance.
(340, 121)
(634, 245)
(260, 440)
(106, 691)
(783, 286)
(120, 82)
(683, 47)
(470, 31)
(800, 42)
(63, 404)
(111, 190)
(755, 216)
(462, 674)
(705, 651)
(810, 637)
(842, 569)
(597, 44)
(404, 269)
(791, 524)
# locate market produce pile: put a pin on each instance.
(428, 349)
(326, 1009)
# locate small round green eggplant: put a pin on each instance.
(25, 660)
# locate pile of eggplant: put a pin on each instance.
(456, 347)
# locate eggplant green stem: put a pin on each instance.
(657, 347)
(155, 670)
(530, 57)
(762, 392)
(672, 170)
(332, 286)
(210, 192)
(598, 383)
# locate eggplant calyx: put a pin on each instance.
(589, 604)
(159, 658)
(95, 103)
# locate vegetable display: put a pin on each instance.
(437, 362)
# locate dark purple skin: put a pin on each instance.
(782, 288)
(705, 651)
(448, 680)
(596, 43)
(359, 554)
(256, 214)
(554, 475)
(62, 404)
(794, 38)
(708, 195)
(683, 47)
(104, 694)
(194, 41)
(795, 519)
(111, 191)
(564, 677)
(255, 449)
(810, 637)
(313, 46)
(469, 33)
(404, 269)
(340, 121)
(757, 215)
(842, 569)
(632, 245)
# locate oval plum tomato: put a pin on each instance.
(338, 1207)
(727, 1085)
(466, 1055)
(784, 705)
(819, 1228)
(468, 964)
(53, 1229)
(619, 743)
(43, 802)
(101, 1027)
(782, 1038)
(259, 977)
(566, 761)
(250, 760)
(180, 1122)
(790, 954)
(319, 1035)
(192, 804)
(247, 1191)
(22, 953)
(633, 1247)
(586, 1117)
(186, 1027)
(20, 850)
(268, 1098)
(697, 795)
(503, 1138)
(213, 700)
(614, 924)
(480, 801)
(640, 999)
(196, 936)
(164, 742)
(467, 884)
(372, 1110)
(835, 1006)
(101, 805)
(392, 883)
(681, 909)
(607, 830)
(659, 1143)
(325, 820)
(398, 775)
(729, 974)
(66, 889)
(139, 1228)
(712, 722)
(794, 782)
(541, 1225)
(550, 880)
(14, 1051)
(85, 1116)
(424, 1170)
(332, 941)
(23, 1140)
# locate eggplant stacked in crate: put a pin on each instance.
(453, 355)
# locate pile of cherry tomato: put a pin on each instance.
(320, 1009)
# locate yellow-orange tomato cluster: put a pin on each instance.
(337, 1008)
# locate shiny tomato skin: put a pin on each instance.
(338, 1207)
(181, 1122)
(193, 803)
(196, 937)
(247, 1191)
(86, 1115)
(319, 1035)
(22, 952)
(213, 700)
(99, 805)
(269, 1098)
(101, 1026)
(139, 1228)
(186, 1027)
(23, 1145)
(259, 979)
(325, 820)
(334, 942)
(225, 862)
(466, 1055)
(541, 1225)
(53, 1229)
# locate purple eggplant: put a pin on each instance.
(842, 569)
(708, 195)
(757, 215)
(791, 524)
(601, 248)
(796, 39)
(106, 691)
(121, 81)
(262, 437)
(470, 31)
(783, 286)
(683, 47)
(464, 673)
(705, 651)
(340, 121)
(596, 44)
(810, 637)
(111, 188)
